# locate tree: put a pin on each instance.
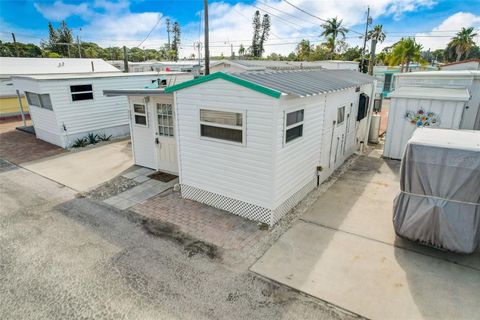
(404, 52)
(332, 29)
(462, 43)
(241, 51)
(304, 50)
(176, 40)
(257, 26)
(265, 34)
(352, 53)
(376, 35)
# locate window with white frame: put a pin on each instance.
(165, 119)
(340, 115)
(222, 125)
(39, 100)
(293, 125)
(140, 114)
(81, 92)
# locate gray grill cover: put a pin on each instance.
(439, 202)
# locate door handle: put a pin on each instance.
(157, 141)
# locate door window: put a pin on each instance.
(165, 119)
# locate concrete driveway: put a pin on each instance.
(84, 169)
(343, 250)
(64, 258)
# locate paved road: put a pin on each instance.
(63, 257)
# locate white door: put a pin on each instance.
(166, 148)
(143, 140)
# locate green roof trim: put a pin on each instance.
(220, 75)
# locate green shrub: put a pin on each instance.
(80, 143)
(103, 137)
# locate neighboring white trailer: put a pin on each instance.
(413, 107)
(65, 107)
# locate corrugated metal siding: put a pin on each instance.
(240, 172)
(399, 130)
(89, 115)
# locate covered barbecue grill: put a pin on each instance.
(439, 201)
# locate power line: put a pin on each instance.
(148, 35)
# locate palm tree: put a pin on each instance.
(333, 29)
(241, 51)
(404, 52)
(462, 42)
(376, 35)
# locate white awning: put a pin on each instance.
(450, 94)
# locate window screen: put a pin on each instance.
(340, 115)
(294, 125)
(221, 125)
(33, 99)
(81, 92)
(140, 114)
(45, 101)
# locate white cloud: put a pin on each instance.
(232, 22)
(60, 11)
(439, 37)
(112, 23)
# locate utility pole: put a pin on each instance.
(168, 32)
(232, 55)
(15, 44)
(198, 46)
(373, 47)
(369, 21)
(207, 53)
(79, 47)
(125, 59)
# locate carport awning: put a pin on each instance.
(134, 92)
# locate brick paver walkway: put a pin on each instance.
(20, 147)
(203, 222)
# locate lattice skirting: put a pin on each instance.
(244, 209)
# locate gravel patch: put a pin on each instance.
(110, 188)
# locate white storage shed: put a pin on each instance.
(65, 107)
(417, 107)
(255, 143)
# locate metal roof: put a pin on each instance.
(299, 83)
(64, 76)
(304, 83)
(24, 66)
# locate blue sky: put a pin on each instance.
(127, 22)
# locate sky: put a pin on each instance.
(141, 23)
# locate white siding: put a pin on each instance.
(400, 130)
(296, 162)
(99, 113)
(240, 172)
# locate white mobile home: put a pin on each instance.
(255, 143)
(65, 107)
(9, 66)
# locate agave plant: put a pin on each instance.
(92, 138)
(103, 137)
(80, 143)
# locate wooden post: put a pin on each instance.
(21, 108)
(207, 53)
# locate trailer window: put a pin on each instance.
(340, 115)
(165, 119)
(222, 125)
(39, 100)
(293, 125)
(140, 115)
(81, 92)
